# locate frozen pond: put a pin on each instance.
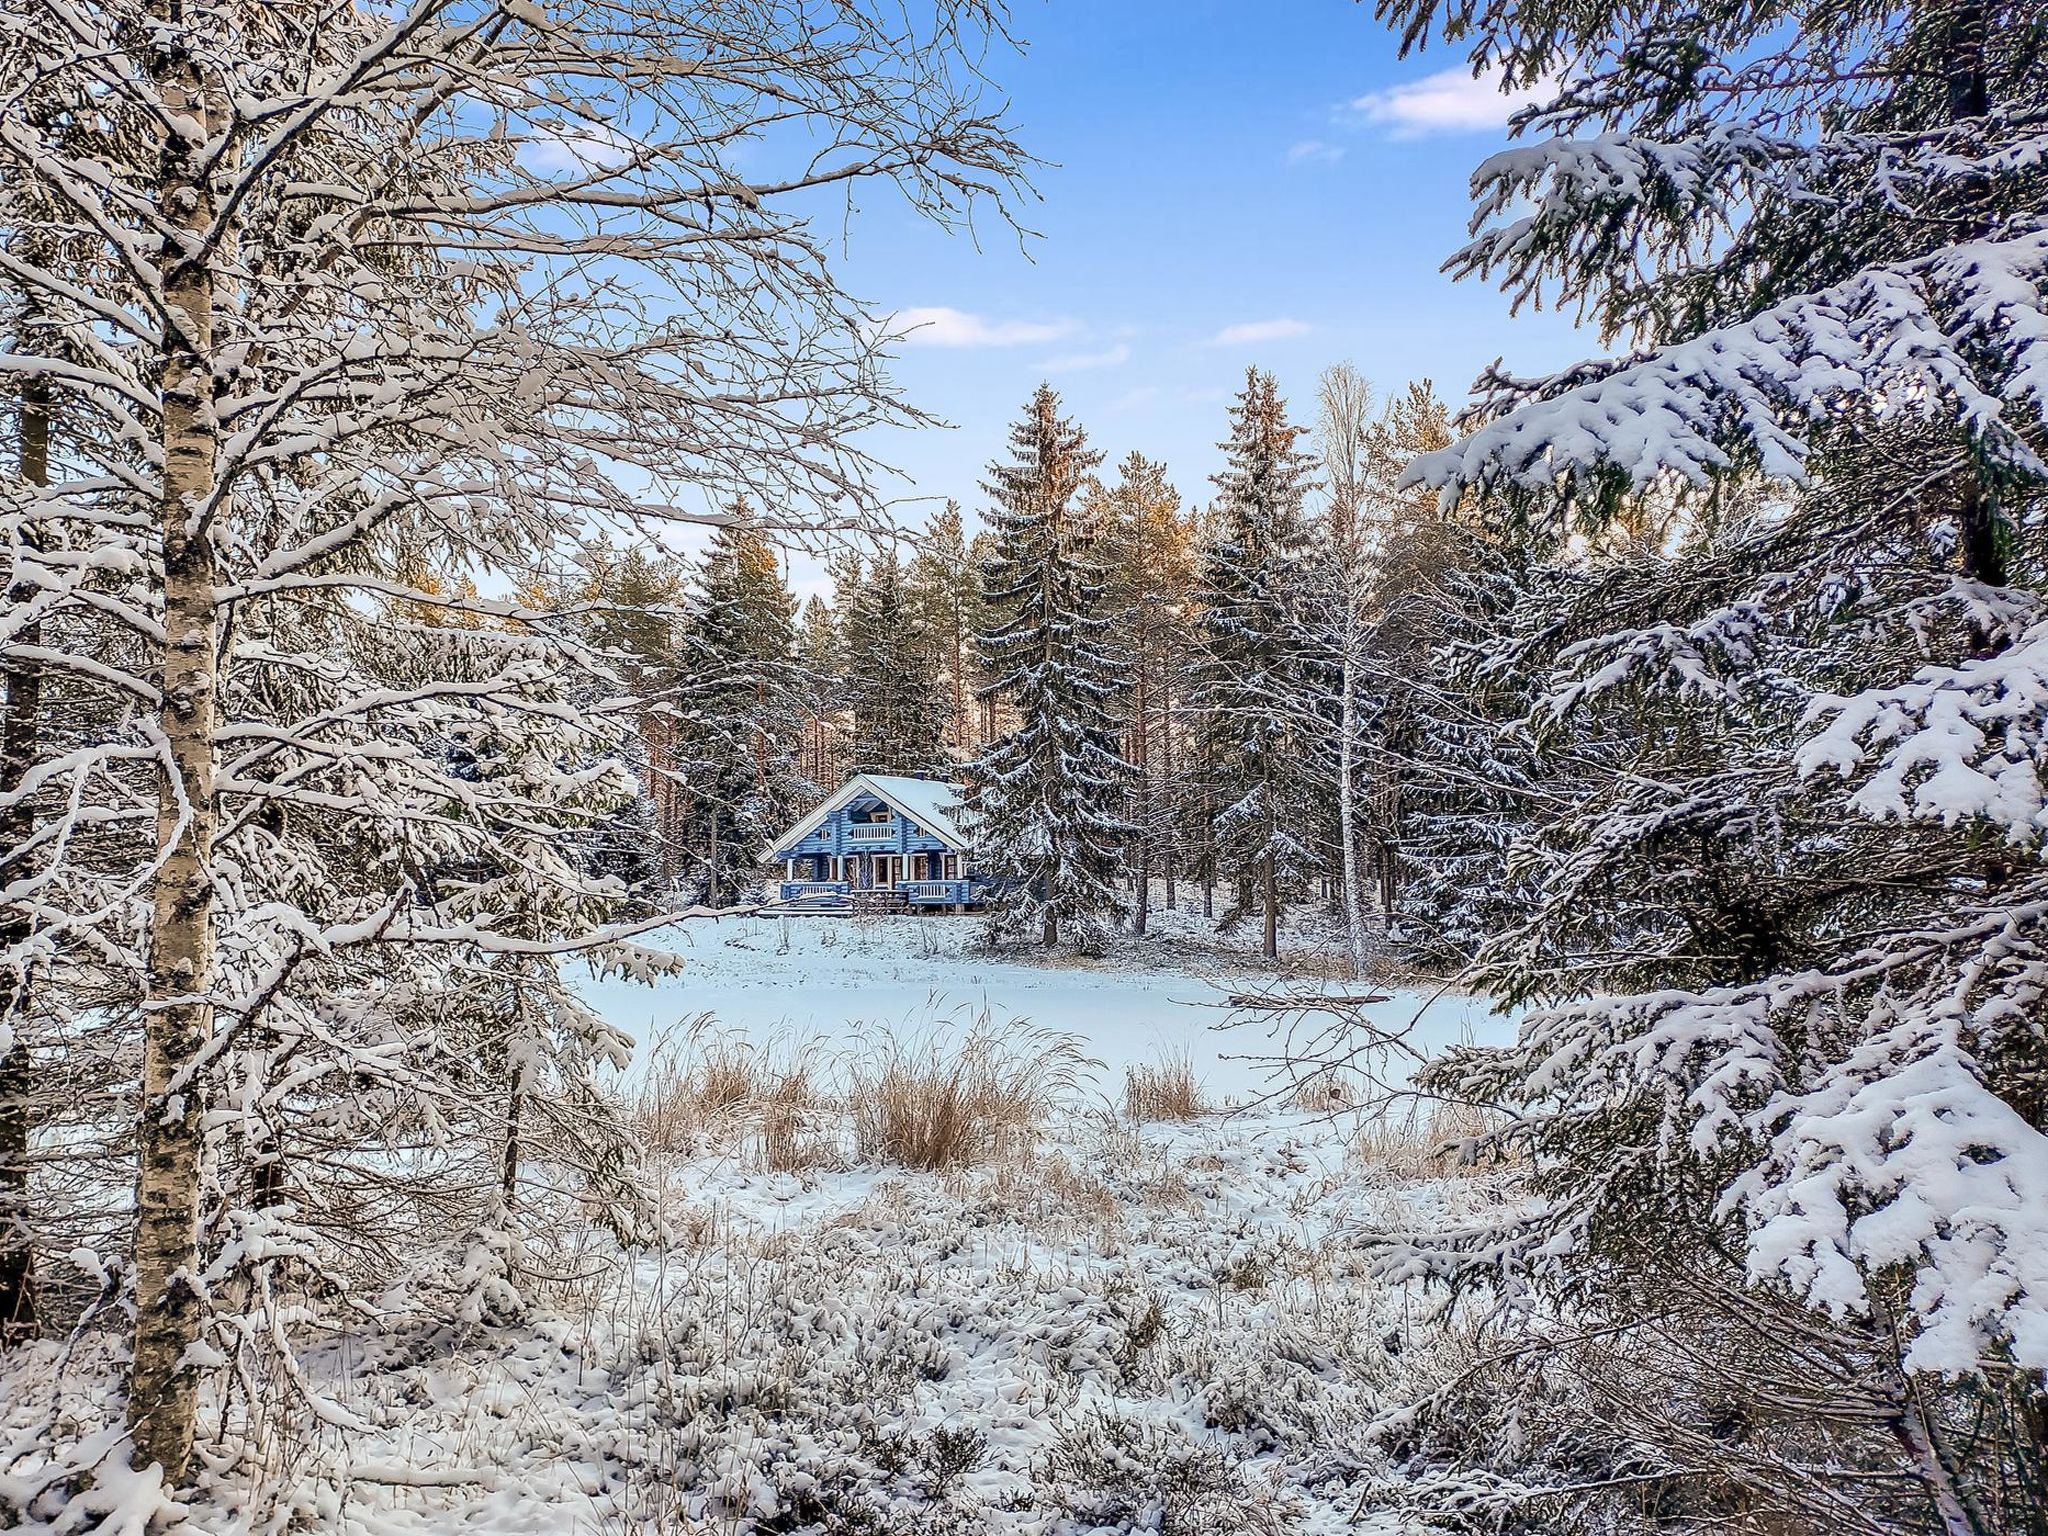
(833, 980)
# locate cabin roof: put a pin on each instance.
(932, 803)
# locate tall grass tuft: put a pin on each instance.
(942, 1103)
(701, 1087)
(1164, 1090)
(1425, 1142)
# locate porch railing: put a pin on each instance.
(799, 890)
(934, 892)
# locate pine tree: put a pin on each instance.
(941, 591)
(1148, 548)
(1047, 799)
(629, 605)
(1255, 686)
(733, 712)
(819, 690)
(892, 687)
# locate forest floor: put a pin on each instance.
(1112, 1310)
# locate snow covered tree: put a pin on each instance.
(1256, 682)
(1344, 592)
(823, 759)
(1784, 1112)
(1148, 549)
(941, 591)
(627, 603)
(893, 689)
(455, 279)
(732, 713)
(1047, 800)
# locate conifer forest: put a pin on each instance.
(891, 767)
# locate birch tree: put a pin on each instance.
(1343, 425)
(457, 277)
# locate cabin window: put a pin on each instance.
(952, 867)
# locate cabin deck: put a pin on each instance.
(837, 898)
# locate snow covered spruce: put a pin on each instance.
(1767, 722)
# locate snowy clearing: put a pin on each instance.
(830, 980)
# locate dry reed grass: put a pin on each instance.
(1324, 1093)
(943, 1100)
(1425, 1141)
(1164, 1090)
(941, 1103)
(702, 1088)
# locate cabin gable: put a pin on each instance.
(880, 834)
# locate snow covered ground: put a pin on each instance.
(827, 979)
(1137, 1328)
(1111, 1326)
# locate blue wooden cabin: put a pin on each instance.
(881, 842)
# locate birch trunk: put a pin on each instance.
(18, 743)
(178, 1011)
(1347, 810)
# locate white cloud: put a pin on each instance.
(1314, 151)
(581, 149)
(1450, 101)
(936, 325)
(1251, 332)
(1074, 362)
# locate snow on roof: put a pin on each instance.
(932, 803)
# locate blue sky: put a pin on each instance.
(1232, 182)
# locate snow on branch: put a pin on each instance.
(1955, 743)
(1961, 334)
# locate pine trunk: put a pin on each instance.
(1169, 784)
(1140, 759)
(163, 1385)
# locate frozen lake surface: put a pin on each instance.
(834, 980)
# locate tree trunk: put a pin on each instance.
(1347, 811)
(1168, 783)
(1143, 908)
(1978, 525)
(515, 1113)
(1270, 893)
(712, 886)
(163, 1385)
(19, 735)
(961, 729)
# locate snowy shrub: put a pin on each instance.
(1142, 1475)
